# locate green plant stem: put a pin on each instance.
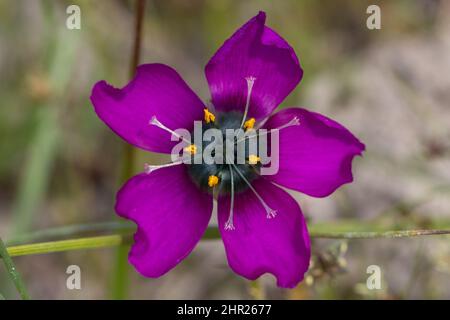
(119, 281)
(12, 271)
(344, 228)
(71, 231)
(139, 23)
(67, 245)
(68, 232)
(378, 235)
(256, 290)
(212, 233)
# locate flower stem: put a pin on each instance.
(212, 233)
(256, 290)
(135, 58)
(12, 271)
(67, 245)
(375, 235)
(71, 231)
(119, 281)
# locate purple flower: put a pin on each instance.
(249, 76)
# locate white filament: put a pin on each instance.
(295, 121)
(154, 121)
(271, 213)
(229, 224)
(150, 168)
(250, 83)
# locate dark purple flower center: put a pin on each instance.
(227, 173)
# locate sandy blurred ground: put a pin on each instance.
(390, 87)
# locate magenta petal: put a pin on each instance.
(316, 156)
(171, 215)
(254, 50)
(257, 245)
(156, 90)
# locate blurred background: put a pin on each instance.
(60, 165)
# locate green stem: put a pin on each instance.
(344, 228)
(256, 290)
(211, 233)
(76, 231)
(375, 235)
(71, 231)
(12, 271)
(119, 281)
(67, 245)
(139, 23)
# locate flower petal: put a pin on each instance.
(171, 215)
(253, 51)
(316, 156)
(156, 90)
(258, 245)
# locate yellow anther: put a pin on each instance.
(253, 159)
(192, 149)
(249, 124)
(209, 117)
(213, 181)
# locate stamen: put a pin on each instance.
(155, 122)
(271, 213)
(150, 168)
(253, 159)
(192, 149)
(250, 83)
(229, 224)
(209, 117)
(249, 124)
(213, 181)
(295, 121)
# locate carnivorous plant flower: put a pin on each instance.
(262, 226)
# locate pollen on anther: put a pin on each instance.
(249, 124)
(253, 159)
(213, 181)
(192, 149)
(209, 116)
